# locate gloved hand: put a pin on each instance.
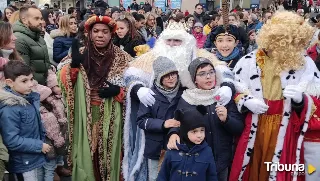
(256, 106)
(292, 92)
(76, 57)
(145, 96)
(224, 94)
(110, 91)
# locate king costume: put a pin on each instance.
(279, 66)
(95, 123)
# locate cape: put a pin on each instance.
(94, 129)
(248, 81)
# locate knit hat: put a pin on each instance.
(195, 64)
(198, 24)
(231, 30)
(114, 9)
(190, 119)
(161, 67)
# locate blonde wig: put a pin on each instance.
(284, 37)
(64, 24)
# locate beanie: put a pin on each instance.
(198, 24)
(195, 64)
(190, 119)
(163, 66)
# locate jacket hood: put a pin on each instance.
(56, 33)
(195, 149)
(21, 28)
(11, 98)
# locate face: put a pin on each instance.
(8, 13)
(214, 23)
(191, 21)
(232, 20)
(22, 85)
(122, 29)
(12, 44)
(141, 11)
(33, 20)
(115, 15)
(205, 78)
(225, 45)
(252, 36)
(197, 135)
(73, 25)
(198, 29)
(140, 24)
(267, 16)
(173, 42)
(199, 9)
(74, 13)
(182, 20)
(51, 18)
(170, 80)
(100, 35)
(151, 21)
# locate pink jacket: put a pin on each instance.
(201, 39)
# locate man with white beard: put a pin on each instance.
(180, 47)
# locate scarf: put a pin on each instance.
(6, 53)
(169, 94)
(97, 64)
(198, 36)
(233, 55)
(197, 96)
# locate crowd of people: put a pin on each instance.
(141, 94)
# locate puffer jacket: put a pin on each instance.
(61, 44)
(33, 50)
(22, 131)
(195, 164)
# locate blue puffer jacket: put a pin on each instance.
(195, 164)
(61, 44)
(219, 136)
(22, 130)
(151, 120)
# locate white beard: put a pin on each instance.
(181, 55)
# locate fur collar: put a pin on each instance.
(56, 33)
(199, 97)
(9, 99)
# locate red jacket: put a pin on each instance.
(312, 52)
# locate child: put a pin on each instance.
(194, 159)
(252, 41)
(158, 119)
(20, 123)
(197, 32)
(226, 41)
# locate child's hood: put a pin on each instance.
(9, 98)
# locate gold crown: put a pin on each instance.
(176, 26)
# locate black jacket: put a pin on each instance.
(147, 7)
(219, 135)
(134, 6)
(128, 44)
(151, 120)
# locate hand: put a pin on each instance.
(292, 92)
(76, 57)
(145, 96)
(56, 90)
(225, 94)
(172, 143)
(222, 113)
(45, 148)
(256, 106)
(171, 123)
(110, 91)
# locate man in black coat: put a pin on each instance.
(147, 6)
(134, 6)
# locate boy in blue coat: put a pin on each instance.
(194, 160)
(158, 119)
(20, 123)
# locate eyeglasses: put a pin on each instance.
(211, 73)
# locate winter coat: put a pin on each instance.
(127, 44)
(219, 135)
(195, 164)
(22, 130)
(51, 27)
(153, 33)
(49, 42)
(201, 39)
(252, 26)
(33, 50)
(151, 120)
(198, 17)
(147, 7)
(61, 45)
(206, 30)
(252, 46)
(134, 6)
